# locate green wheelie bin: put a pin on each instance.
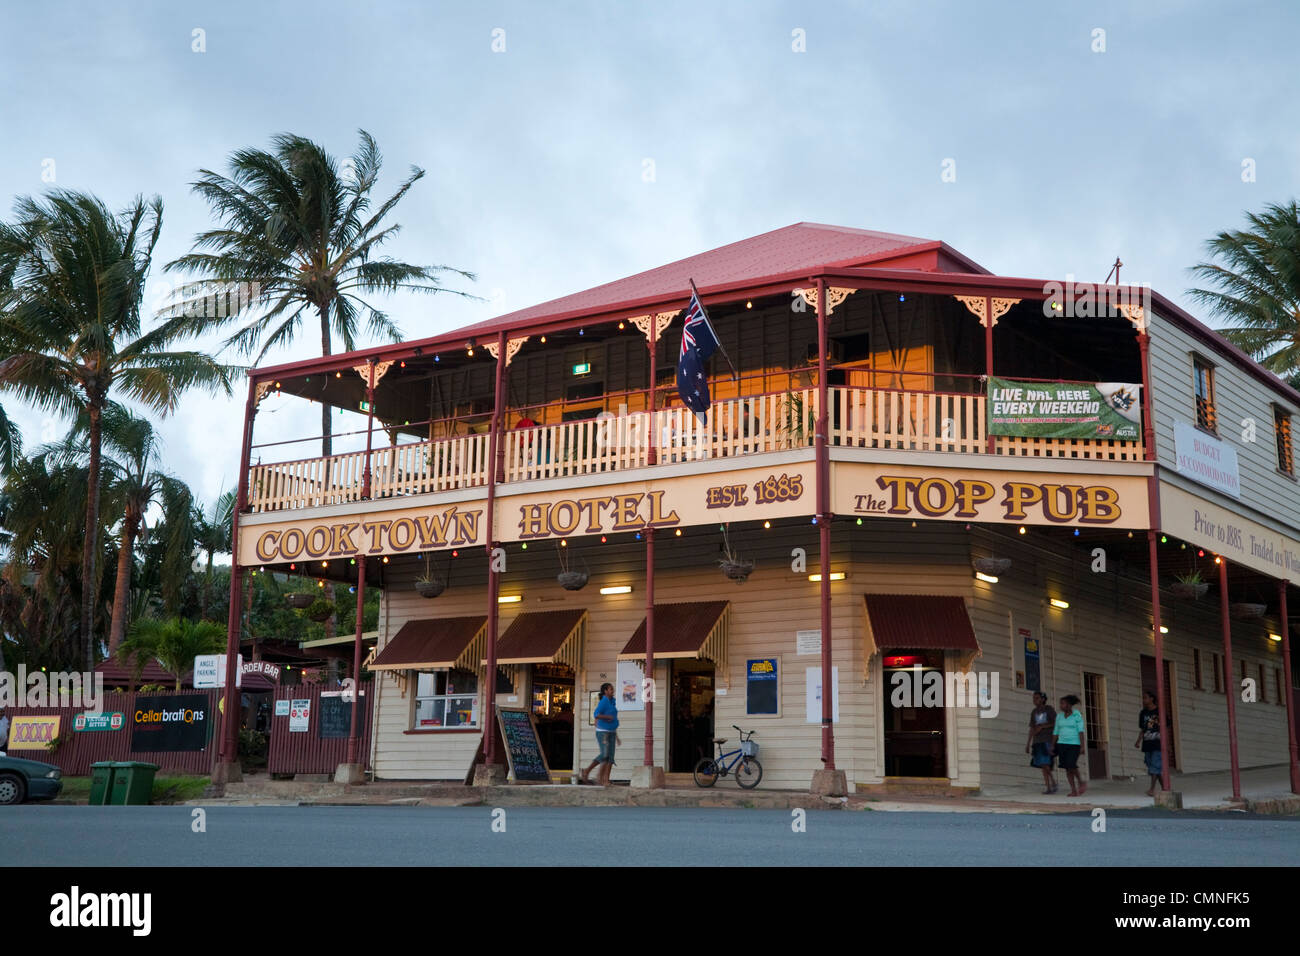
(101, 782)
(132, 783)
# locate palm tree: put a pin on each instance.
(1258, 286)
(212, 533)
(294, 234)
(11, 442)
(173, 642)
(72, 276)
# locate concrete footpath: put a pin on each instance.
(1264, 790)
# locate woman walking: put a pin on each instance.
(606, 716)
(1068, 736)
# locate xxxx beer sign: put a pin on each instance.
(1039, 498)
(394, 527)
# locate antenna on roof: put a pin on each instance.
(1114, 269)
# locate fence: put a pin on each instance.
(308, 751)
(82, 748)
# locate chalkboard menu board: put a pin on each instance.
(523, 750)
(762, 687)
(336, 716)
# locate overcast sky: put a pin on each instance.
(1065, 154)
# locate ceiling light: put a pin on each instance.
(1275, 637)
(835, 576)
(987, 578)
(1057, 602)
(617, 589)
(510, 599)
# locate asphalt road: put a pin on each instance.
(36, 835)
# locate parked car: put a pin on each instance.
(22, 780)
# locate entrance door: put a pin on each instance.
(914, 714)
(690, 714)
(553, 712)
(1166, 708)
(1095, 723)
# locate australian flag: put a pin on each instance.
(698, 343)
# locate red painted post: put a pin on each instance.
(494, 583)
(370, 427)
(228, 751)
(1288, 689)
(1148, 425)
(989, 441)
(649, 643)
(652, 453)
(1229, 692)
(354, 734)
(824, 527)
(1153, 562)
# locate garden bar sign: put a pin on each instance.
(1040, 498)
(1105, 410)
(736, 495)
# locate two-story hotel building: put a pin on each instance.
(845, 517)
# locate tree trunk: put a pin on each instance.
(88, 554)
(326, 442)
(122, 588)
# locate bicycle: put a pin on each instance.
(743, 761)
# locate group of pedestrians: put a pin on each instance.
(1058, 737)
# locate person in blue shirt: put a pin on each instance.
(1069, 738)
(606, 716)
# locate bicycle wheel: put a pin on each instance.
(706, 773)
(749, 773)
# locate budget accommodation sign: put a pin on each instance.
(1207, 460)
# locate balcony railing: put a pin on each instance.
(859, 418)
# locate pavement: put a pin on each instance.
(1265, 790)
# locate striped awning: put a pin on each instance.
(697, 630)
(435, 643)
(544, 637)
(920, 621)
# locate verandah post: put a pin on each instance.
(1229, 692)
(1288, 690)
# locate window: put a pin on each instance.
(1218, 673)
(446, 699)
(1196, 669)
(1282, 432)
(1203, 374)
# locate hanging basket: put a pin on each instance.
(737, 571)
(994, 566)
(572, 580)
(1246, 610)
(299, 601)
(1190, 590)
(430, 588)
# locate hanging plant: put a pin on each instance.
(320, 610)
(1189, 586)
(428, 585)
(569, 579)
(993, 566)
(300, 600)
(732, 566)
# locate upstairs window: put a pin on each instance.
(1203, 374)
(1282, 431)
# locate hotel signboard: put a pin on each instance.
(1206, 459)
(959, 494)
(1224, 532)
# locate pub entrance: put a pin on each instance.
(690, 713)
(915, 715)
(552, 706)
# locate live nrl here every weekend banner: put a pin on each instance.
(1106, 410)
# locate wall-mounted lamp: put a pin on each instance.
(986, 578)
(1057, 602)
(617, 589)
(1275, 637)
(510, 598)
(835, 576)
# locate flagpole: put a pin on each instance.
(735, 376)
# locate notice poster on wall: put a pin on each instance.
(813, 685)
(762, 688)
(627, 686)
(1033, 679)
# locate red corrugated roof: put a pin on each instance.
(537, 635)
(802, 246)
(679, 628)
(119, 674)
(429, 643)
(925, 621)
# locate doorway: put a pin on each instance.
(1166, 705)
(690, 714)
(553, 713)
(1095, 723)
(914, 713)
